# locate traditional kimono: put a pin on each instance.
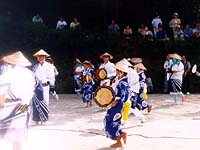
(141, 104)
(17, 85)
(112, 120)
(111, 72)
(87, 88)
(44, 74)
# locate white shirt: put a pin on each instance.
(45, 72)
(61, 24)
(133, 81)
(180, 70)
(20, 82)
(111, 72)
(167, 65)
(156, 21)
(109, 67)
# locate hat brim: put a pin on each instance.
(17, 59)
(41, 53)
(123, 69)
(103, 55)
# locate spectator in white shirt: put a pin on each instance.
(155, 23)
(61, 24)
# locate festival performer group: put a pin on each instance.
(24, 93)
(126, 80)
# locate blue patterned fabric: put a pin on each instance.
(112, 120)
(141, 104)
(87, 88)
(40, 107)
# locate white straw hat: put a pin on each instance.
(17, 58)
(122, 66)
(41, 52)
(136, 60)
(140, 66)
(126, 62)
(106, 54)
(175, 56)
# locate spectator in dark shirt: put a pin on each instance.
(161, 34)
(113, 27)
(186, 76)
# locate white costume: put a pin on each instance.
(45, 73)
(111, 72)
(17, 82)
(134, 84)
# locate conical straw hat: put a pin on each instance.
(106, 54)
(126, 62)
(41, 52)
(175, 56)
(136, 60)
(122, 66)
(17, 58)
(140, 66)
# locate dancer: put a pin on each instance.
(78, 73)
(109, 67)
(52, 89)
(17, 85)
(88, 83)
(141, 103)
(112, 120)
(44, 73)
(177, 78)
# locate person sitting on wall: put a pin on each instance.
(37, 19)
(61, 24)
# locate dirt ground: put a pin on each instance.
(71, 126)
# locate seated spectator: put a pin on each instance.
(161, 34)
(196, 31)
(141, 29)
(127, 31)
(74, 24)
(188, 31)
(147, 34)
(37, 19)
(61, 24)
(178, 33)
(113, 27)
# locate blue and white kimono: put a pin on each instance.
(112, 120)
(141, 104)
(87, 88)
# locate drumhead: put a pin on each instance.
(194, 68)
(101, 74)
(104, 96)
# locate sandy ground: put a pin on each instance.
(73, 127)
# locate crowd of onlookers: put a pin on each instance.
(61, 23)
(178, 30)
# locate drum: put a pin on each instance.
(104, 96)
(101, 74)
